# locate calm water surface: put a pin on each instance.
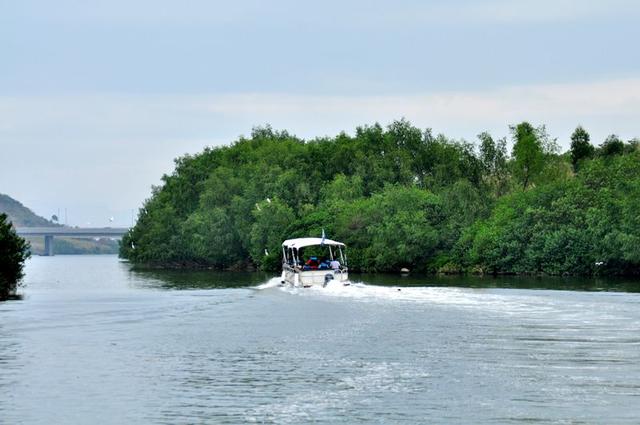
(94, 342)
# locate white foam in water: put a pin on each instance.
(536, 303)
(368, 377)
(486, 299)
(271, 283)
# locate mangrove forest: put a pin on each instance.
(401, 197)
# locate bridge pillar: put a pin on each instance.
(48, 245)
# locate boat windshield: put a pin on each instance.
(314, 256)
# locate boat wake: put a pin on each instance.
(271, 283)
(487, 299)
(504, 301)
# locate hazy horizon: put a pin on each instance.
(98, 98)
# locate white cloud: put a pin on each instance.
(116, 146)
(98, 119)
(110, 118)
(605, 106)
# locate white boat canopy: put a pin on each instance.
(302, 242)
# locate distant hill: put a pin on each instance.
(20, 215)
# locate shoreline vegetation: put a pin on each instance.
(401, 197)
(14, 251)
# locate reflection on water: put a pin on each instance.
(572, 283)
(198, 279)
(97, 342)
(209, 279)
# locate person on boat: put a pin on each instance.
(324, 264)
(312, 262)
(334, 264)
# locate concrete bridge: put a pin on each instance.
(71, 232)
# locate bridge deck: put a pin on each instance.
(72, 231)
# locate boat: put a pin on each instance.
(308, 262)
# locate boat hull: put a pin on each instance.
(309, 278)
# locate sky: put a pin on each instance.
(97, 97)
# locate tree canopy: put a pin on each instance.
(398, 197)
(14, 251)
(580, 147)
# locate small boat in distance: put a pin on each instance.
(308, 262)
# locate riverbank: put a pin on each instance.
(540, 281)
(444, 273)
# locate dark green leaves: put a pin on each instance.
(14, 251)
(401, 197)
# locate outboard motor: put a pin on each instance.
(327, 278)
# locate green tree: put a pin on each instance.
(272, 221)
(612, 146)
(14, 251)
(212, 239)
(343, 188)
(493, 155)
(399, 196)
(580, 147)
(527, 153)
(395, 228)
(587, 225)
(632, 146)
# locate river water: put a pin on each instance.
(94, 342)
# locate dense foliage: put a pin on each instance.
(13, 253)
(401, 197)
